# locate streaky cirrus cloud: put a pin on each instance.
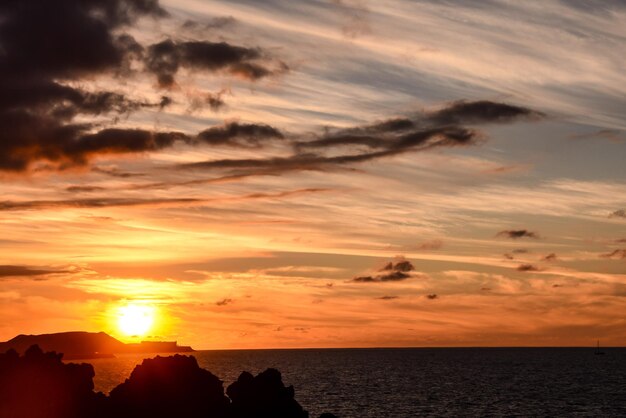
(104, 202)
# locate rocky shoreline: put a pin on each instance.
(39, 384)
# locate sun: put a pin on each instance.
(135, 320)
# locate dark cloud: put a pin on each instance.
(49, 48)
(394, 276)
(84, 189)
(391, 272)
(165, 58)
(215, 100)
(8, 205)
(43, 43)
(165, 102)
(482, 111)
(224, 302)
(527, 267)
(517, 233)
(403, 266)
(24, 271)
(621, 213)
(415, 141)
(379, 140)
(618, 254)
(508, 256)
(387, 297)
(550, 257)
(432, 296)
(45, 40)
(620, 241)
(240, 134)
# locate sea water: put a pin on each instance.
(377, 383)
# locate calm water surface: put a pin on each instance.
(375, 383)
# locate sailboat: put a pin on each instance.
(598, 352)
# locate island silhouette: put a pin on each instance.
(39, 384)
(88, 345)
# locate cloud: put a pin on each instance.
(387, 138)
(621, 213)
(517, 233)
(24, 271)
(165, 58)
(224, 302)
(423, 140)
(240, 134)
(403, 266)
(550, 257)
(8, 205)
(527, 267)
(618, 254)
(432, 296)
(482, 111)
(47, 111)
(387, 297)
(84, 189)
(394, 276)
(391, 272)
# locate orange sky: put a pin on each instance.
(259, 205)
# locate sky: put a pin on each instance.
(336, 173)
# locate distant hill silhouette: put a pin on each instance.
(41, 385)
(86, 345)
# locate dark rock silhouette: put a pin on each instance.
(41, 385)
(263, 396)
(170, 387)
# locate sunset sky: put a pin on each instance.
(320, 173)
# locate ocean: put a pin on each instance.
(416, 382)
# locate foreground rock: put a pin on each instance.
(40, 385)
(263, 396)
(170, 387)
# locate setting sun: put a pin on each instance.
(135, 319)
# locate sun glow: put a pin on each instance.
(136, 319)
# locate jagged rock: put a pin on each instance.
(170, 387)
(263, 396)
(40, 385)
